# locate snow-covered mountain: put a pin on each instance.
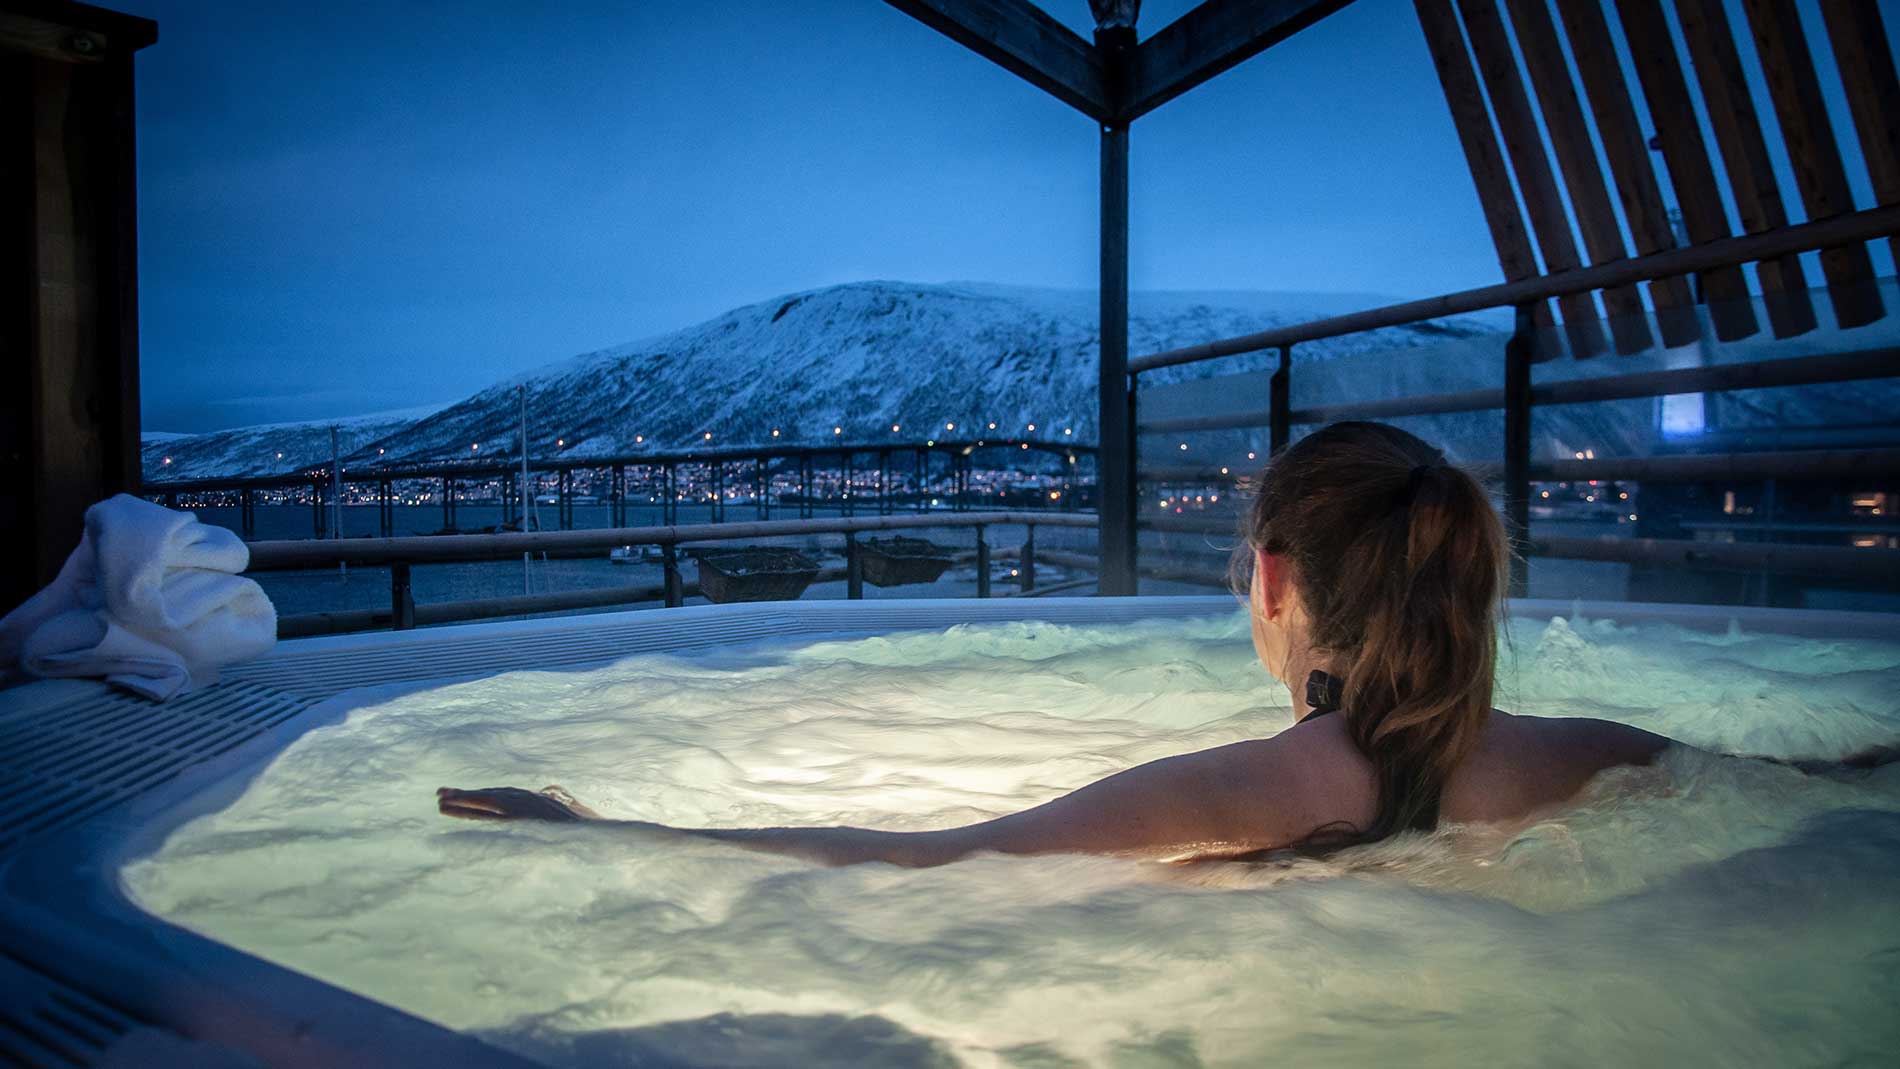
(866, 356)
(861, 356)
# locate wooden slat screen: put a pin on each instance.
(1532, 49)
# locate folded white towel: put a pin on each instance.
(150, 600)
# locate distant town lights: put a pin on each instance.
(837, 430)
(1032, 426)
(949, 426)
(896, 427)
(1183, 447)
(706, 436)
(475, 447)
(638, 438)
(280, 456)
(168, 460)
(992, 425)
(1068, 430)
(775, 432)
(1249, 456)
(560, 443)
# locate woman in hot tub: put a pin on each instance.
(1377, 574)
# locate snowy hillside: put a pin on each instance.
(861, 356)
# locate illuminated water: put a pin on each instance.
(1713, 912)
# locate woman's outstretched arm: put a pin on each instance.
(1232, 799)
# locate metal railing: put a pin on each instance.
(401, 554)
(1519, 395)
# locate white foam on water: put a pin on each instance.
(1710, 910)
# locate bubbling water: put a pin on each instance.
(1708, 910)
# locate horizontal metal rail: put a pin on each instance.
(1811, 464)
(1846, 229)
(1764, 374)
(1836, 562)
(438, 549)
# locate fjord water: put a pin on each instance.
(1710, 910)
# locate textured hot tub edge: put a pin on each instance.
(64, 910)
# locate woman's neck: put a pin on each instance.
(1300, 666)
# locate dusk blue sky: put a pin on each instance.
(349, 207)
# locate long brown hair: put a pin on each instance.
(1400, 561)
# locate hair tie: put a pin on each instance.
(1419, 474)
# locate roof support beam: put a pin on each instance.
(1212, 38)
(1019, 37)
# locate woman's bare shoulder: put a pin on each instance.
(1524, 763)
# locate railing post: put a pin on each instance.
(316, 507)
(1517, 445)
(1280, 403)
(844, 462)
(669, 498)
(982, 564)
(247, 514)
(764, 489)
(884, 482)
(670, 561)
(1027, 566)
(402, 599)
(387, 513)
(853, 568)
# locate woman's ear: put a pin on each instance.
(1272, 582)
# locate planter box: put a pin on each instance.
(901, 561)
(753, 573)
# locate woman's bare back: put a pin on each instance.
(1522, 765)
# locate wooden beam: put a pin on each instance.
(1788, 67)
(1116, 460)
(1653, 51)
(1873, 92)
(1022, 39)
(1577, 159)
(1628, 152)
(1468, 116)
(1718, 68)
(1213, 37)
(1517, 125)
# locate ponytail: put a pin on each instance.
(1399, 559)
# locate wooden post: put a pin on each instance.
(1280, 403)
(1115, 471)
(982, 564)
(1027, 565)
(670, 561)
(69, 377)
(853, 568)
(1517, 447)
(402, 599)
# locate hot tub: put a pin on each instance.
(1712, 910)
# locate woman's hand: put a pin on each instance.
(511, 803)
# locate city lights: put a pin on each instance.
(638, 438)
(475, 447)
(1032, 426)
(706, 436)
(949, 426)
(168, 460)
(837, 430)
(775, 432)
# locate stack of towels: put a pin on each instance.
(151, 601)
